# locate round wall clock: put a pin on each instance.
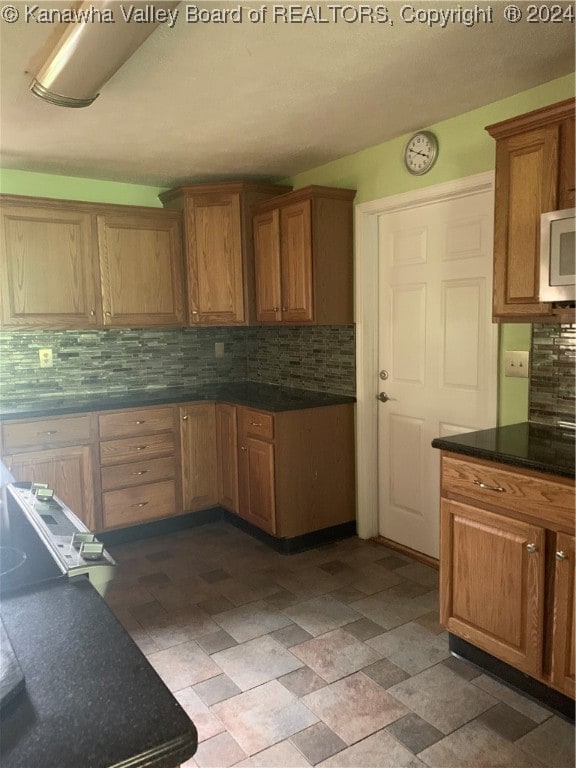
(421, 152)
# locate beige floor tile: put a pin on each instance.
(442, 697)
(411, 647)
(283, 755)
(476, 746)
(263, 716)
(183, 665)
(206, 722)
(420, 573)
(256, 662)
(219, 752)
(390, 611)
(380, 750)
(321, 614)
(250, 621)
(552, 743)
(516, 700)
(373, 578)
(354, 707)
(335, 654)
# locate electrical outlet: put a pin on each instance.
(517, 364)
(218, 349)
(45, 356)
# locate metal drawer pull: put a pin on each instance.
(141, 447)
(531, 548)
(496, 488)
(141, 504)
(140, 422)
(560, 555)
(255, 424)
(49, 432)
(142, 472)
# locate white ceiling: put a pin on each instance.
(215, 101)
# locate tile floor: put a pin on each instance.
(332, 657)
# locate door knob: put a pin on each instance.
(383, 397)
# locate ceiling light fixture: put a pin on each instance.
(92, 49)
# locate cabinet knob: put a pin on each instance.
(560, 555)
(531, 548)
(141, 447)
(275, 309)
(194, 311)
(284, 309)
(92, 313)
(243, 448)
(139, 421)
(185, 418)
(108, 313)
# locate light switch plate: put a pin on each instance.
(218, 349)
(517, 364)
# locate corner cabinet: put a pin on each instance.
(290, 473)
(303, 257)
(534, 174)
(218, 247)
(79, 265)
(507, 565)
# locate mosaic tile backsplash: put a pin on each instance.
(98, 361)
(552, 375)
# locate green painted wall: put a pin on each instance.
(14, 182)
(465, 149)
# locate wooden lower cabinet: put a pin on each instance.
(296, 471)
(68, 471)
(507, 565)
(198, 456)
(227, 454)
(493, 583)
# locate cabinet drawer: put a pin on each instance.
(137, 472)
(136, 505)
(256, 424)
(32, 434)
(137, 422)
(136, 448)
(549, 501)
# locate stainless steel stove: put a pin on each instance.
(42, 539)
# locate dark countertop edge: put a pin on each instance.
(503, 458)
(176, 751)
(219, 393)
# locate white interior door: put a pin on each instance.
(438, 349)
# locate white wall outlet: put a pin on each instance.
(45, 357)
(218, 349)
(517, 364)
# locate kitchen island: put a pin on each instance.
(91, 698)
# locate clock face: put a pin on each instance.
(421, 152)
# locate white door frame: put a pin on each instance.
(367, 324)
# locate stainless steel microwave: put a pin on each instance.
(558, 256)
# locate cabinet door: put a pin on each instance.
(526, 187)
(141, 269)
(563, 662)
(68, 471)
(267, 266)
(198, 451)
(566, 187)
(492, 583)
(257, 487)
(296, 262)
(48, 268)
(227, 451)
(215, 269)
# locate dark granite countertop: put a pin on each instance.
(91, 698)
(541, 447)
(268, 397)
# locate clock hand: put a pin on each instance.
(417, 152)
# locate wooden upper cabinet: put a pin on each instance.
(303, 244)
(48, 268)
(534, 174)
(267, 266)
(219, 250)
(141, 269)
(86, 265)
